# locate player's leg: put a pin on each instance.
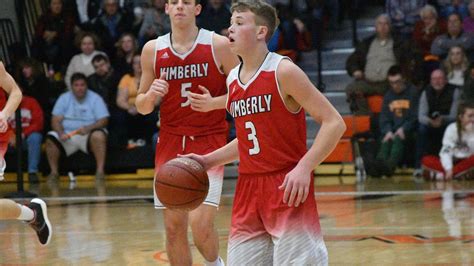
(295, 231)
(35, 213)
(177, 245)
(205, 235)
(176, 222)
(249, 243)
(11, 210)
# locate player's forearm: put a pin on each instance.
(219, 102)
(14, 100)
(325, 141)
(145, 104)
(223, 155)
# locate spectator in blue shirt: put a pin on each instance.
(80, 117)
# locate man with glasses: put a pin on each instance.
(397, 120)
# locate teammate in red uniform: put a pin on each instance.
(185, 71)
(35, 213)
(273, 219)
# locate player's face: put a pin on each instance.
(243, 31)
(79, 88)
(182, 10)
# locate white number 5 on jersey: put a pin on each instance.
(185, 87)
(252, 136)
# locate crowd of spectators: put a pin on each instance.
(420, 61)
(422, 48)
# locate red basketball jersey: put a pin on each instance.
(271, 138)
(184, 72)
(5, 136)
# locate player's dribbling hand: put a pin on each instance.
(159, 87)
(3, 122)
(296, 186)
(201, 102)
(198, 158)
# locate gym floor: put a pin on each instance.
(383, 221)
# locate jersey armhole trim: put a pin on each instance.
(279, 90)
(214, 54)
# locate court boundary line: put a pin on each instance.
(231, 195)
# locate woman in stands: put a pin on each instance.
(456, 159)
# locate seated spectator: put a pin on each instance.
(456, 6)
(111, 24)
(403, 15)
(155, 22)
(468, 88)
(371, 60)
(454, 36)
(468, 22)
(456, 158)
(81, 63)
(79, 120)
(437, 109)
(104, 82)
(215, 17)
(139, 128)
(32, 127)
(34, 83)
(105, 79)
(54, 36)
(127, 46)
(427, 29)
(397, 121)
(455, 65)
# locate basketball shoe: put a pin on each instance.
(41, 223)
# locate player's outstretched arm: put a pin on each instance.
(297, 90)
(151, 89)
(221, 156)
(14, 97)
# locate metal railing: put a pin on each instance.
(8, 38)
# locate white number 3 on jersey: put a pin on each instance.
(252, 136)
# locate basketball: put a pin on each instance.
(181, 183)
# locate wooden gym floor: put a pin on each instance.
(385, 221)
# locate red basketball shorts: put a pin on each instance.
(265, 231)
(4, 140)
(169, 146)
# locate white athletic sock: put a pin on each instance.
(218, 262)
(26, 214)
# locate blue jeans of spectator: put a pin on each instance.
(33, 145)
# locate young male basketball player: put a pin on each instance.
(35, 213)
(274, 217)
(185, 72)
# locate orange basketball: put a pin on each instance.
(181, 183)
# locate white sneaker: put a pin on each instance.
(3, 165)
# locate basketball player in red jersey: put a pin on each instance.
(35, 213)
(185, 71)
(274, 217)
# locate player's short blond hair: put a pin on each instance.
(265, 14)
